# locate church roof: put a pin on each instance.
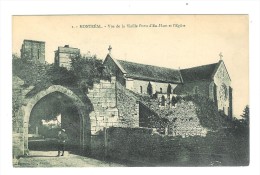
(150, 73)
(204, 72)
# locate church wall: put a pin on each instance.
(223, 83)
(135, 85)
(211, 91)
(196, 87)
(114, 70)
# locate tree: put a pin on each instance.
(61, 76)
(169, 89)
(174, 100)
(150, 89)
(87, 69)
(245, 114)
(163, 100)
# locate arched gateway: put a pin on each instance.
(83, 110)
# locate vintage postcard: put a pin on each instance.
(130, 90)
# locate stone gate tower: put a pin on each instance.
(33, 51)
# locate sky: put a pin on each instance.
(178, 41)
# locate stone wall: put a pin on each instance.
(140, 147)
(113, 105)
(179, 120)
(33, 51)
(23, 105)
(19, 91)
(18, 145)
(103, 99)
(128, 107)
(184, 120)
(137, 145)
(106, 105)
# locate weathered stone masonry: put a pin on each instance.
(105, 112)
(128, 107)
(108, 104)
(33, 51)
(113, 106)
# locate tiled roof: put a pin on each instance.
(204, 72)
(150, 73)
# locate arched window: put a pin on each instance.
(224, 92)
(160, 90)
(141, 89)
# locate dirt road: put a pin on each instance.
(50, 159)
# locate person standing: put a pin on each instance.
(62, 138)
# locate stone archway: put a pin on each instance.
(82, 108)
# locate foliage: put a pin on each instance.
(30, 72)
(174, 100)
(39, 75)
(169, 89)
(149, 89)
(140, 145)
(207, 112)
(85, 71)
(62, 76)
(88, 70)
(245, 114)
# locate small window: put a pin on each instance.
(224, 91)
(141, 89)
(160, 90)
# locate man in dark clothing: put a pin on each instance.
(62, 138)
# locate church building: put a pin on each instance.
(144, 79)
(211, 81)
